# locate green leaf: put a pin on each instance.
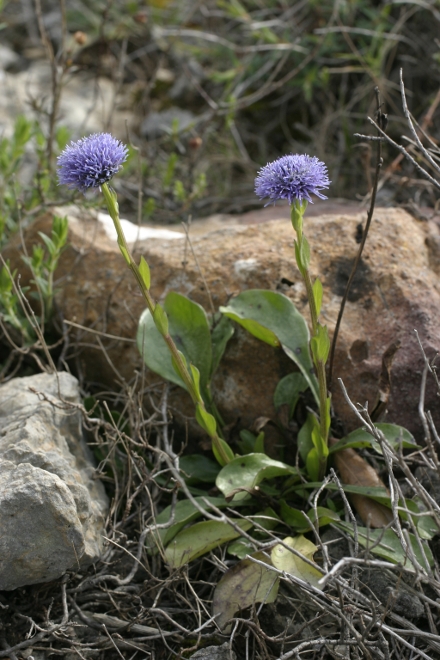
(154, 350)
(206, 420)
(144, 271)
(62, 137)
(241, 547)
(197, 468)
(302, 523)
(317, 295)
(375, 492)
(288, 390)
(22, 133)
(385, 543)
(272, 317)
(196, 379)
(292, 517)
(320, 344)
(189, 328)
(182, 514)
(244, 473)
(161, 320)
(246, 444)
(50, 245)
(325, 517)
(426, 525)
(297, 211)
(304, 253)
(259, 443)
(312, 464)
(319, 442)
(305, 443)
(268, 519)
(226, 450)
(220, 335)
(251, 444)
(243, 585)
(396, 435)
(201, 538)
(124, 253)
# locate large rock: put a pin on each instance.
(396, 291)
(52, 510)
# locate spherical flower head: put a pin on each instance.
(293, 177)
(91, 161)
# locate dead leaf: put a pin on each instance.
(243, 585)
(286, 561)
(355, 471)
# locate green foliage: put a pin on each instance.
(189, 327)
(197, 540)
(397, 437)
(250, 443)
(244, 473)
(10, 308)
(288, 391)
(181, 514)
(44, 261)
(273, 318)
(386, 543)
(12, 151)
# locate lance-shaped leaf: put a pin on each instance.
(396, 435)
(200, 538)
(288, 390)
(385, 543)
(179, 515)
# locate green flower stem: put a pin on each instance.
(297, 214)
(113, 209)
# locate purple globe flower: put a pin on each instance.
(91, 161)
(292, 177)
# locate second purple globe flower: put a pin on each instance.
(292, 177)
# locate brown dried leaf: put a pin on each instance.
(355, 471)
(243, 585)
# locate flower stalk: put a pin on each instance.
(205, 419)
(319, 343)
(295, 178)
(90, 163)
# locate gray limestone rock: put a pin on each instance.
(222, 652)
(52, 510)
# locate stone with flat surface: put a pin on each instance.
(396, 290)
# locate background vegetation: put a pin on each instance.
(216, 89)
(212, 90)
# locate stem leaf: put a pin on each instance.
(144, 271)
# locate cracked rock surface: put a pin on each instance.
(52, 510)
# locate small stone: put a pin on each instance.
(222, 652)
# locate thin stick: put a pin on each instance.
(411, 126)
(379, 163)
